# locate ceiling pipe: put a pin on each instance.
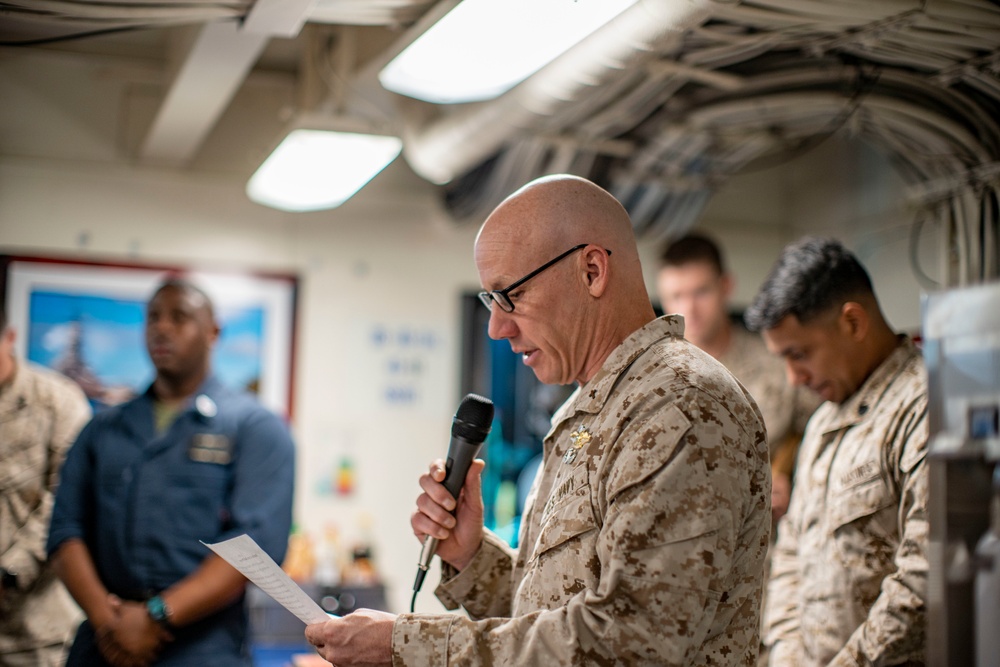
(441, 148)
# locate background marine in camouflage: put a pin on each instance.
(849, 573)
(40, 414)
(693, 281)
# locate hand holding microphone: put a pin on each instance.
(439, 515)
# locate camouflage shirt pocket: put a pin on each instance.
(863, 520)
(861, 492)
(566, 517)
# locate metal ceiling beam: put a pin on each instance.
(213, 69)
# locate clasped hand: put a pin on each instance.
(130, 638)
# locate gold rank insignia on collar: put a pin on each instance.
(580, 437)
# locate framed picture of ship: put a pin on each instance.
(86, 320)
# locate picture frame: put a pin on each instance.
(86, 319)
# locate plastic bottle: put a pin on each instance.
(327, 559)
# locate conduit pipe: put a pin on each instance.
(448, 146)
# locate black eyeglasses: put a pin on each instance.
(500, 297)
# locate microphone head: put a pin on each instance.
(473, 418)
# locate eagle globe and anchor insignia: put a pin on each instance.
(581, 436)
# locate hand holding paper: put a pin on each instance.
(362, 637)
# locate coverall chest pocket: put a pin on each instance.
(199, 492)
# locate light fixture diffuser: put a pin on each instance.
(319, 169)
(482, 48)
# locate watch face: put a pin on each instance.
(157, 609)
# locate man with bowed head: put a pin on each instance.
(644, 538)
(849, 572)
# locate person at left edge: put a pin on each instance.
(188, 460)
(41, 412)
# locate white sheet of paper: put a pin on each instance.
(253, 563)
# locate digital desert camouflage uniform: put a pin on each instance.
(849, 572)
(644, 537)
(786, 408)
(40, 415)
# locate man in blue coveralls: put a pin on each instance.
(188, 460)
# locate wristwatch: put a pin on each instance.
(158, 610)
(8, 579)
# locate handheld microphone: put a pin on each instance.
(469, 429)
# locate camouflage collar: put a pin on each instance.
(591, 397)
(861, 404)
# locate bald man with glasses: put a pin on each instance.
(646, 529)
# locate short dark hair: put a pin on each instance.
(693, 248)
(184, 285)
(3, 316)
(811, 276)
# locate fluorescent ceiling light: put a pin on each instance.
(483, 48)
(317, 169)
